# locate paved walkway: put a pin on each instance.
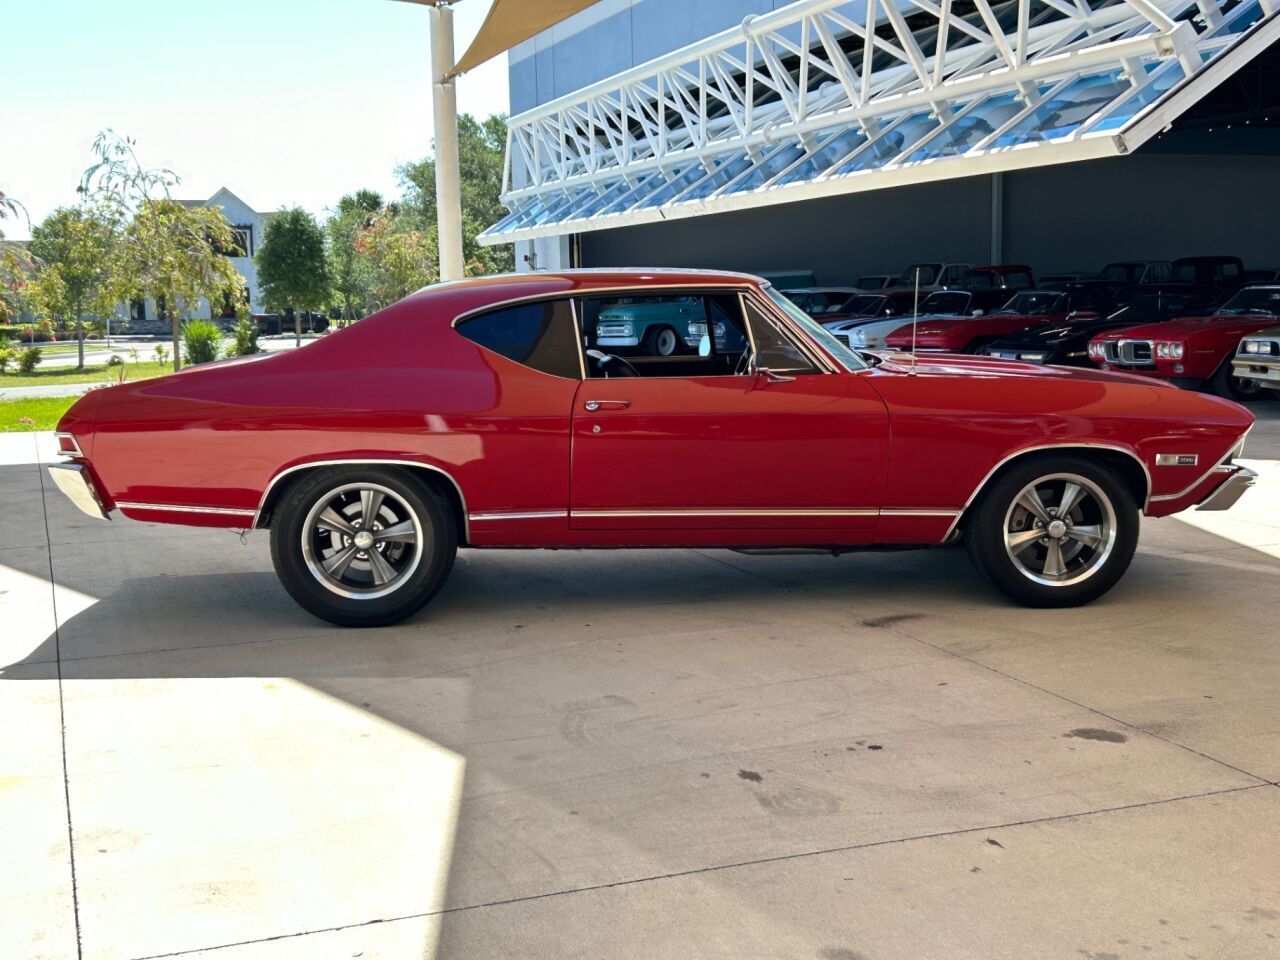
(681, 753)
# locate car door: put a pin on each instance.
(715, 442)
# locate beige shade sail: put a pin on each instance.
(511, 22)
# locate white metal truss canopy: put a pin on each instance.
(796, 104)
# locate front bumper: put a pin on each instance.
(618, 341)
(73, 480)
(1265, 371)
(1226, 494)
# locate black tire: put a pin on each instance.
(420, 549)
(663, 341)
(1001, 539)
(1225, 383)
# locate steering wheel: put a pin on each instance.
(610, 366)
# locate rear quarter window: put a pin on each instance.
(539, 335)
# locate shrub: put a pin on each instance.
(28, 359)
(162, 353)
(200, 341)
(133, 354)
(6, 358)
(115, 360)
(246, 338)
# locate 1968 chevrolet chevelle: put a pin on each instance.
(484, 413)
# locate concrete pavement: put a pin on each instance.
(635, 754)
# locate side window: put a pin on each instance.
(774, 350)
(538, 335)
(675, 335)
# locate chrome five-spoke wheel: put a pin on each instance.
(362, 540)
(1060, 529)
(1056, 530)
(364, 545)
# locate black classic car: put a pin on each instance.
(1066, 343)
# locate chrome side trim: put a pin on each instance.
(894, 512)
(466, 523)
(520, 515)
(1177, 459)
(1234, 450)
(73, 480)
(181, 508)
(1076, 445)
(816, 512)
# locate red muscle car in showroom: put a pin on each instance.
(1193, 352)
(483, 414)
(1028, 308)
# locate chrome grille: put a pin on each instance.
(1137, 353)
(1111, 351)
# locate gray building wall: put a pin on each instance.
(1069, 217)
(613, 36)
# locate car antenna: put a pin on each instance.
(915, 316)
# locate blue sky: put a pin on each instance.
(283, 101)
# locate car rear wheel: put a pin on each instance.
(1054, 531)
(1226, 384)
(663, 342)
(362, 546)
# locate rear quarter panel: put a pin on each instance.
(401, 384)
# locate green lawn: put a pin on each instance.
(94, 373)
(42, 412)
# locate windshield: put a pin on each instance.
(1032, 304)
(1265, 300)
(928, 274)
(843, 355)
(1119, 272)
(945, 302)
(861, 304)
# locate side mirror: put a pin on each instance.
(704, 346)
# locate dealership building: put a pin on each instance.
(847, 138)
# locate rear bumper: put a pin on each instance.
(74, 480)
(1227, 493)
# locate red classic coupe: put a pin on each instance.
(1028, 308)
(1194, 352)
(483, 413)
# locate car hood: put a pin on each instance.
(1183, 327)
(1054, 334)
(991, 368)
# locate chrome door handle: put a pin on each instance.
(607, 404)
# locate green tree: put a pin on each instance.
(166, 250)
(354, 274)
(76, 245)
(481, 145)
(293, 269)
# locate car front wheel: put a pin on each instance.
(1054, 531)
(1226, 384)
(362, 546)
(663, 342)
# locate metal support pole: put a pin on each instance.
(997, 218)
(444, 102)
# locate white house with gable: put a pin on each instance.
(248, 224)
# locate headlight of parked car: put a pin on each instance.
(1170, 350)
(1256, 346)
(1095, 349)
(857, 337)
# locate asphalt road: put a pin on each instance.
(682, 753)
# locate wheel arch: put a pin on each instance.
(1127, 464)
(439, 479)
